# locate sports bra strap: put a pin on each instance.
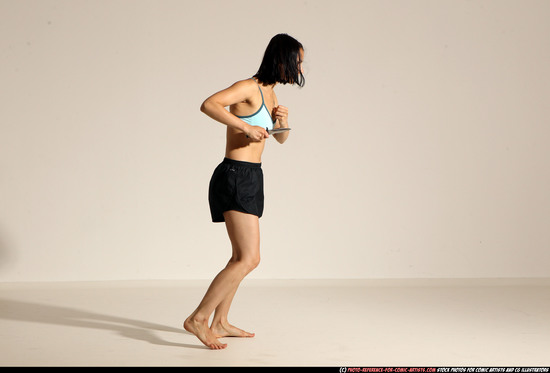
(260, 90)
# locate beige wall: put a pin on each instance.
(419, 144)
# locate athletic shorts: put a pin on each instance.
(236, 185)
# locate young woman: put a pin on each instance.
(236, 189)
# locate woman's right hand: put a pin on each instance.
(256, 133)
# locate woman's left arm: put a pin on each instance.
(280, 113)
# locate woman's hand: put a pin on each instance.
(256, 133)
(280, 113)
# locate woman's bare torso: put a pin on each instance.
(238, 146)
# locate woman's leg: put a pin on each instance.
(244, 233)
(221, 326)
(239, 227)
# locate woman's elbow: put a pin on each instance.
(209, 107)
(204, 106)
(280, 140)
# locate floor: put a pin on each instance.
(353, 323)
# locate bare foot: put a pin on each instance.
(202, 331)
(229, 330)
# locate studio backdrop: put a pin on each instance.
(419, 144)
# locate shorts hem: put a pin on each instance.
(221, 219)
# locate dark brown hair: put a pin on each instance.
(281, 62)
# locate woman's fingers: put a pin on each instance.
(257, 133)
(281, 112)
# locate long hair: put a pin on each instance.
(281, 62)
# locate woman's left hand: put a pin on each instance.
(280, 113)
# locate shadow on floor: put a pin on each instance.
(50, 314)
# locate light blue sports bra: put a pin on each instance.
(261, 117)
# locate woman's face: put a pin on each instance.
(301, 60)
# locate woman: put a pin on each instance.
(236, 188)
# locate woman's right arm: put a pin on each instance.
(215, 107)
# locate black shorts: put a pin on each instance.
(236, 185)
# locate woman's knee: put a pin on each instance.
(253, 262)
(247, 264)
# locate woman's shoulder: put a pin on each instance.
(245, 89)
(245, 83)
